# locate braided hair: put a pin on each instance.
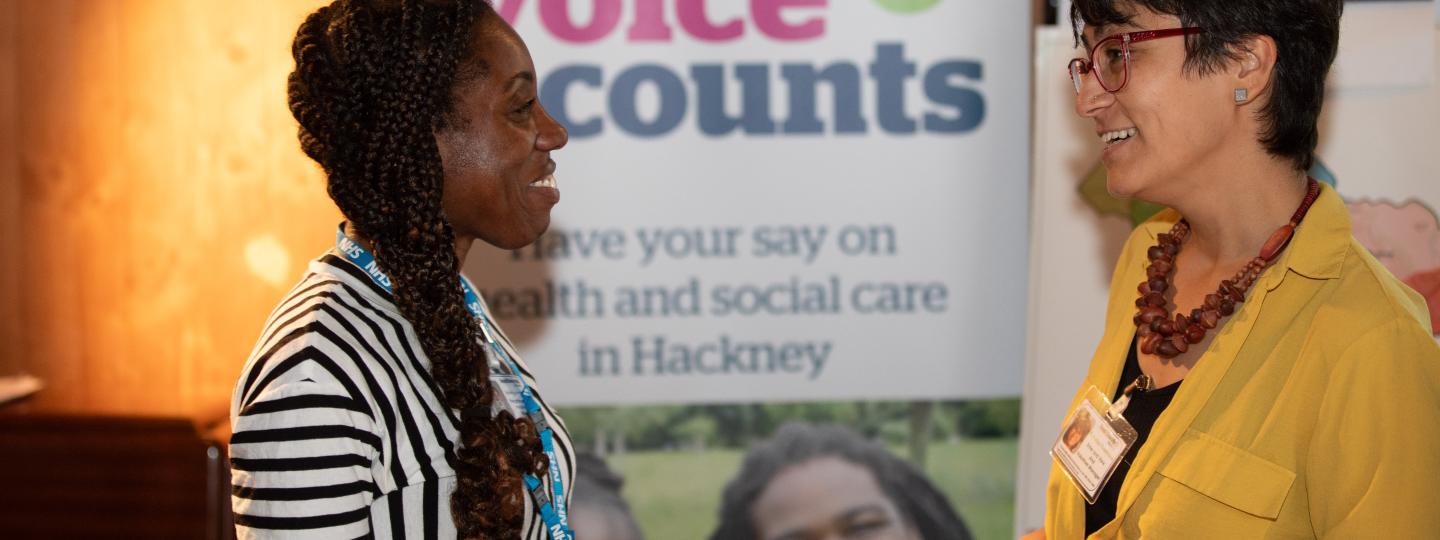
(372, 84)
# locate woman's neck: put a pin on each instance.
(462, 242)
(462, 248)
(1233, 212)
(354, 235)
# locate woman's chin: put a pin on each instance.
(1125, 183)
(1119, 188)
(518, 239)
(536, 229)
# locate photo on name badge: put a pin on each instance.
(1077, 430)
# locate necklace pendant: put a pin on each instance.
(1277, 242)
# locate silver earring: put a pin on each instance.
(1241, 94)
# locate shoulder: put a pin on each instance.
(332, 297)
(324, 336)
(1372, 333)
(1391, 352)
(1364, 280)
(1367, 300)
(306, 380)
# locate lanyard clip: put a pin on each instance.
(485, 332)
(539, 495)
(1142, 383)
(538, 417)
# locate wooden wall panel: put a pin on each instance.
(54, 175)
(160, 205)
(10, 342)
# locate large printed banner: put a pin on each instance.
(775, 200)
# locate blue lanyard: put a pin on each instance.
(552, 509)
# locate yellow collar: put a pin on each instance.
(1317, 250)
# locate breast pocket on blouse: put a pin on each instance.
(1225, 490)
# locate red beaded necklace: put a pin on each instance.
(1170, 336)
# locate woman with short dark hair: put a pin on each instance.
(1281, 383)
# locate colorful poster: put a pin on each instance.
(774, 213)
(776, 200)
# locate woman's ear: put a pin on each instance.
(1254, 64)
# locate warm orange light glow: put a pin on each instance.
(154, 204)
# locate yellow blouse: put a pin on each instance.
(1314, 413)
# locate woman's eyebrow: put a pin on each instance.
(523, 76)
(1104, 30)
(861, 509)
(1099, 32)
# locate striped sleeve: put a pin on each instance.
(301, 456)
(339, 430)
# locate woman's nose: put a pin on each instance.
(553, 135)
(1092, 98)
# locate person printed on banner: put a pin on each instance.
(1286, 380)
(599, 511)
(824, 481)
(381, 400)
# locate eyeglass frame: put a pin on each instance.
(1081, 66)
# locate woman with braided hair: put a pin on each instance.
(381, 399)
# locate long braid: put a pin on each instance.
(372, 83)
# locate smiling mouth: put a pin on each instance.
(548, 181)
(1114, 137)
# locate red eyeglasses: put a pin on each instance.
(1110, 58)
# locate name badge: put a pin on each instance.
(1092, 443)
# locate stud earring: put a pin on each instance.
(1241, 94)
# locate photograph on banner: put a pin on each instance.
(934, 469)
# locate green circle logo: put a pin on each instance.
(907, 6)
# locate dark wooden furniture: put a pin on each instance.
(107, 477)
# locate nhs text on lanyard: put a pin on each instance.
(551, 509)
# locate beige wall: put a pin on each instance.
(154, 204)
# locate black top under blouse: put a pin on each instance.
(1144, 409)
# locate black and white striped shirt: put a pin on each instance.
(339, 430)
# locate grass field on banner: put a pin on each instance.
(676, 494)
